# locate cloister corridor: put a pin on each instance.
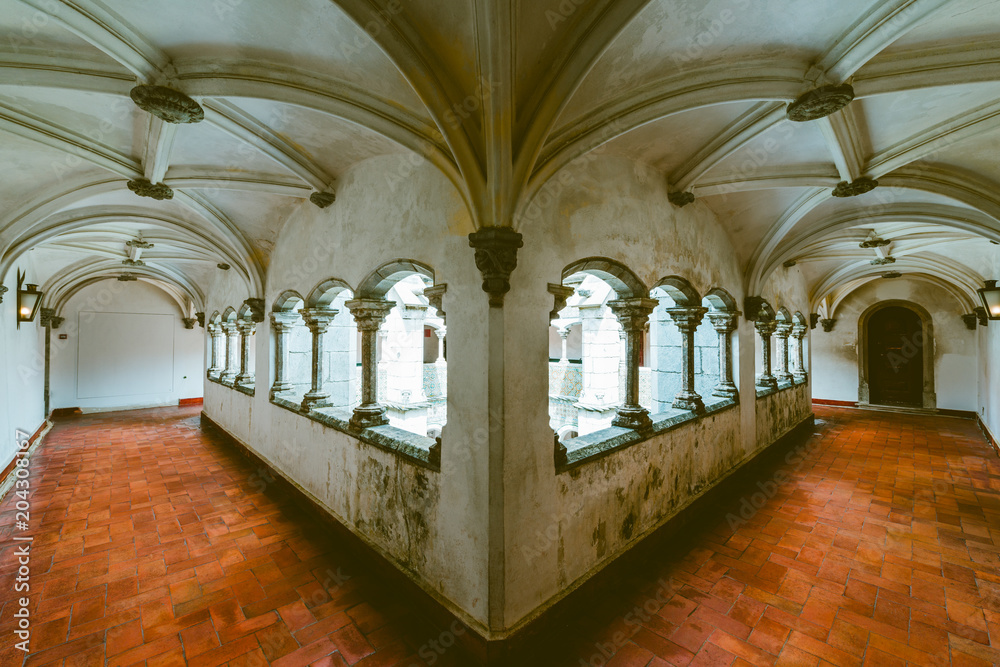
(875, 541)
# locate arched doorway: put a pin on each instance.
(896, 356)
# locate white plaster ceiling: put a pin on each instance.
(299, 91)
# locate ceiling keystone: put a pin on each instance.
(144, 188)
(820, 103)
(322, 199)
(167, 104)
(859, 187)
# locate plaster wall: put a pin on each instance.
(162, 370)
(989, 368)
(22, 367)
(956, 348)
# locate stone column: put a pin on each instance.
(765, 328)
(246, 330)
(317, 319)
(230, 372)
(782, 331)
(633, 315)
(369, 315)
(725, 325)
(687, 320)
(799, 332)
(564, 336)
(282, 324)
(440, 333)
(215, 331)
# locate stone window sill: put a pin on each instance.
(247, 389)
(782, 386)
(586, 448)
(410, 446)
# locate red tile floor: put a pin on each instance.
(875, 542)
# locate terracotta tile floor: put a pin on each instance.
(874, 543)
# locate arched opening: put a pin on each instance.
(896, 356)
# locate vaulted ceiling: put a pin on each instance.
(500, 95)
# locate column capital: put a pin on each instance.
(440, 333)
(724, 321)
(45, 316)
(799, 331)
(765, 327)
(369, 313)
(633, 314)
(245, 327)
(283, 321)
(188, 322)
(560, 294)
(687, 317)
(318, 319)
(229, 328)
(496, 258)
(782, 329)
(435, 297)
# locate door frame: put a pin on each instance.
(929, 399)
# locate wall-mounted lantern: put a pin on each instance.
(28, 300)
(990, 296)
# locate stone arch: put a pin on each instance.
(798, 318)
(378, 283)
(927, 349)
(680, 290)
(783, 315)
(244, 314)
(216, 318)
(764, 314)
(326, 293)
(621, 279)
(719, 299)
(288, 301)
(229, 315)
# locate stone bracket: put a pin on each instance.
(256, 307)
(496, 258)
(560, 294)
(435, 296)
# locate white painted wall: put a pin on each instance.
(956, 356)
(989, 368)
(22, 364)
(125, 348)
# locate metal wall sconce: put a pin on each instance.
(990, 296)
(29, 298)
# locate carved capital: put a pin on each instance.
(256, 307)
(687, 319)
(435, 297)
(828, 325)
(201, 319)
(765, 327)
(752, 306)
(560, 293)
(633, 314)
(318, 319)
(723, 321)
(246, 328)
(3, 290)
(230, 328)
(982, 316)
(45, 316)
(813, 320)
(283, 321)
(799, 331)
(782, 329)
(971, 321)
(188, 322)
(496, 258)
(369, 313)
(56, 322)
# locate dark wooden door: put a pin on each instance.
(895, 358)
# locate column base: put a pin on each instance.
(244, 379)
(689, 401)
(726, 391)
(311, 401)
(367, 416)
(800, 377)
(767, 382)
(227, 377)
(784, 377)
(635, 418)
(278, 388)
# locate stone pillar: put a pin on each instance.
(782, 331)
(246, 330)
(215, 351)
(687, 320)
(369, 314)
(282, 324)
(440, 333)
(564, 337)
(725, 325)
(230, 372)
(765, 328)
(633, 314)
(317, 319)
(799, 332)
